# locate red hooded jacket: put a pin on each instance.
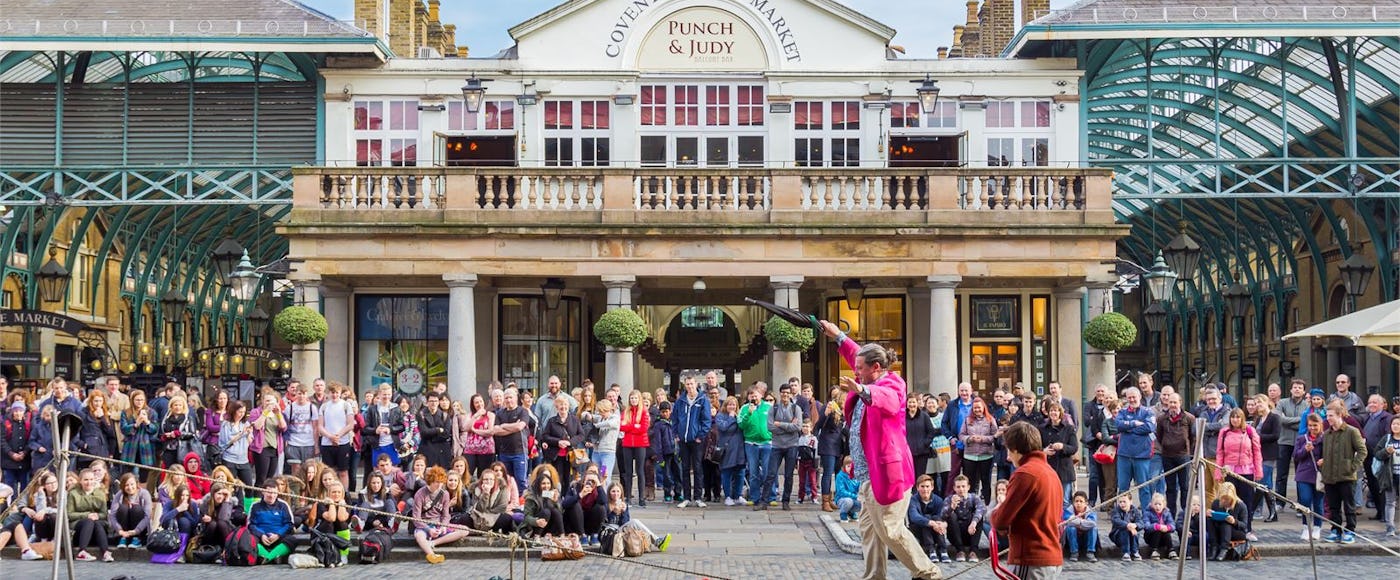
(195, 472)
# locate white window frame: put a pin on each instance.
(1017, 119)
(827, 135)
(387, 137)
(702, 131)
(937, 123)
(576, 135)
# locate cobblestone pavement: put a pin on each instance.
(722, 542)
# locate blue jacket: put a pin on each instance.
(1150, 519)
(41, 435)
(1121, 518)
(953, 419)
(1135, 430)
(732, 439)
(270, 519)
(692, 418)
(846, 486)
(921, 512)
(663, 438)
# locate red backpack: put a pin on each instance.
(241, 549)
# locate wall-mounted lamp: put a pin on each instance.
(553, 289)
(623, 99)
(928, 94)
(526, 99)
(473, 93)
(855, 292)
(439, 107)
(779, 107)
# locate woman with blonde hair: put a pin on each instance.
(1240, 457)
(606, 421)
(176, 434)
(1226, 521)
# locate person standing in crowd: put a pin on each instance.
(1176, 437)
(1388, 476)
(635, 427)
(919, 431)
(829, 437)
(300, 440)
(953, 417)
(693, 421)
(138, 428)
(1216, 415)
(712, 384)
(1061, 447)
(731, 440)
(1290, 413)
(1055, 393)
(1240, 458)
(235, 438)
(544, 408)
(758, 443)
(98, 436)
(511, 422)
(1307, 451)
(978, 437)
(477, 444)
(561, 435)
(1350, 400)
(1266, 424)
(336, 422)
(214, 413)
(41, 437)
(1343, 449)
(14, 447)
(785, 424)
(607, 422)
(874, 408)
(267, 443)
(61, 397)
(1136, 427)
(436, 426)
(177, 433)
(384, 426)
(1373, 429)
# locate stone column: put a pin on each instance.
(785, 364)
(618, 363)
(461, 335)
(1069, 352)
(48, 348)
(1100, 366)
(337, 355)
(1304, 367)
(943, 334)
(306, 358)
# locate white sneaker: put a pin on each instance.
(700, 504)
(683, 504)
(1307, 533)
(744, 501)
(1317, 532)
(30, 554)
(728, 501)
(1251, 537)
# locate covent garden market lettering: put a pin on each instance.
(699, 47)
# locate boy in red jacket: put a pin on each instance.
(1030, 516)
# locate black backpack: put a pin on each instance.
(326, 547)
(240, 549)
(375, 546)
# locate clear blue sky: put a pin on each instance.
(923, 25)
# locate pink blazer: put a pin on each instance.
(882, 433)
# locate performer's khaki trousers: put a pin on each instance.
(882, 527)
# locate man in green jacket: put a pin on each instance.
(1343, 448)
(758, 441)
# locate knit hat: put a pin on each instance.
(1317, 393)
(17, 405)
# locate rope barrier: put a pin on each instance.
(513, 541)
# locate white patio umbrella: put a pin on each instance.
(1376, 328)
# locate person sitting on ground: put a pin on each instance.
(1226, 523)
(1126, 533)
(195, 477)
(183, 512)
(87, 504)
(585, 506)
(1081, 529)
(375, 497)
(13, 526)
(270, 520)
(847, 501)
(173, 479)
(925, 520)
(218, 510)
(1160, 526)
(964, 513)
(332, 517)
(620, 516)
(39, 507)
(222, 474)
(130, 513)
(431, 504)
(490, 509)
(459, 494)
(542, 513)
(504, 478)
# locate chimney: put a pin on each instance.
(958, 36)
(999, 27)
(434, 5)
(1033, 9)
(942, 52)
(972, 11)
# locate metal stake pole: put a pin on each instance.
(63, 545)
(1191, 491)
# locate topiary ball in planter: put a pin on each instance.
(300, 325)
(620, 328)
(1110, 331)
(786, 337)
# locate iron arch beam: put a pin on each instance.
(109, 239)
(1256, 108)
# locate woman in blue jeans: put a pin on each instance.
(731, 465)
(1306, 451)
(829, 436)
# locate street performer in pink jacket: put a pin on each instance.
(882, 464)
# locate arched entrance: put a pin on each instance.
(700, 339)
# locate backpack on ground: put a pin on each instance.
(240, 549)
(326, 547)
(375, 546)
(635, 541)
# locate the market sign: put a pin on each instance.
(42, 319)
(700, 38)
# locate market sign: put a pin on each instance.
(702, 39)
(41, 319)
(21, 358)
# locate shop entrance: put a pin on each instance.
(995, 365)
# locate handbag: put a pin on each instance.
(579, 456)
(565, 547)
(1106, 454)
(714, 447)
(163, 541)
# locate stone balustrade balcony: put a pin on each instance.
(529, 196)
